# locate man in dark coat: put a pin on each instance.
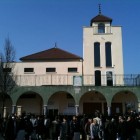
(131, 128)
(55, 128)
(75, 128)
(122, 128)
(40, 127)
(83, 121)
(47, 127)
(9, 130)
(64, 129)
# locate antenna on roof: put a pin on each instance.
(99, 9)
(55, 45)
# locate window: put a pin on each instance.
(108, 54)
(109, 78)
(97, 78)
(72, 69)
(50, 69)
(101, 28)
(7, 69)
(28, 69)
(97, 54)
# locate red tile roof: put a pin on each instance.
(100, 18)
(52, 54)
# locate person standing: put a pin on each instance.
(83, 121)
(122, 133)
(94, 130)
(39, 127)
(20, 128)
(9, 130)
(64, 129)
(87, 128)
(47, 127)
(28, 128)
(55, 129)
(131, 128)
(99, 121)
(74, 129)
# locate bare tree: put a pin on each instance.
(6, 71)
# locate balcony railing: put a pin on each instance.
(87, 80)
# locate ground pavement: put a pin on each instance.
(1, 138)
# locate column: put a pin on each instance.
(76, 110)
(109, 110)
(19, 110)
(13, 109)
(139, 106)
(45, 110)
(5, 112)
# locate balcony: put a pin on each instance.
(86, 80)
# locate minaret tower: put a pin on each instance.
(102, 50)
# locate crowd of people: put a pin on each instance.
(95, 127)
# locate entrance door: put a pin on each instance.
(90, 108)
(109, 78)
(53, 112)
(97, 78)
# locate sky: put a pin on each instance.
(36, 25)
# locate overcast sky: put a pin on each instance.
(36, 25)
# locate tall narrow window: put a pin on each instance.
(101, 28)
(97, 54)
(108, 54)
(97, 78)
(109, 78)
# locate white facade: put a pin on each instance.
(113, 35)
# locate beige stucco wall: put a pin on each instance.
(41, 77)
(115, 37)
(40, 67)
(88, 48)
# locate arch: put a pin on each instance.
(123, 102)
(21, 90)
(29, 102)
(7, 106)
(91, 101)
(62, 103)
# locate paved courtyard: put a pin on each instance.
(1, 138)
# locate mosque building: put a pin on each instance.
(57, 82)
